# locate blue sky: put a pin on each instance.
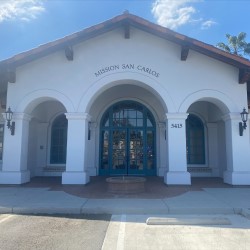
(26, 24)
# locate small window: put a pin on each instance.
(195, 140)
(59, 140)
(1, 141)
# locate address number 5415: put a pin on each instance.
(176, 125)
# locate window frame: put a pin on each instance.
(50, 163)
(204, 146)
(2, 125)
(110, 126)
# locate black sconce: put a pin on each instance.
(8, 116)
(243, 124)
(89, 131)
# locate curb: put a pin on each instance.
(45, 210)
(119, 211)
(204, 221)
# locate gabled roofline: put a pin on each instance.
(126, 20)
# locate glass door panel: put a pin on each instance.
(127, 140)
(119, 152)
(105, 151)
(136, 155)
(150, 150)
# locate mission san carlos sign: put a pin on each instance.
(124, 67)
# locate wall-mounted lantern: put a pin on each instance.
(89, 130)
(243, 124)
(8, 116)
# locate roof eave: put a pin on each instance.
(118, 21)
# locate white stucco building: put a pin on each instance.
(125, 97)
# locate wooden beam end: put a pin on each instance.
(184, 53)
(69, 53)
(11, 76)
(126, 31)
(244, 76)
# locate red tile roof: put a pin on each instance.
(119, 21)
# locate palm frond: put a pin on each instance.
(236, 44)
(241, 36)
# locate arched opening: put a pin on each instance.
(129, 92)
(127, 140)
(205, 140)
(195, 140)
(47, 140)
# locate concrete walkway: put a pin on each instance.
(205, 215)
(23, 200)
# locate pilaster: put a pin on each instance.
(237, 152)
(76, 172)
(162, 161)
(14, 169)
(176, 141)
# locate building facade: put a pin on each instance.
(125, 97)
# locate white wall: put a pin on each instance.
(72, 80)
(53, 85)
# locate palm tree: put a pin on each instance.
(236, 45)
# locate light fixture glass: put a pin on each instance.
(243, 124)
(8, 116)
(244, 115)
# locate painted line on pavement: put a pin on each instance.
(121, 235)
(6, 218)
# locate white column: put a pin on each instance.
(42, 130)
(15, 155)
(162, 160)
(176, 140)
(212, 142)
(76, 149)
(237, 151)
(92, 144)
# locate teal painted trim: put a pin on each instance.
(119, 119)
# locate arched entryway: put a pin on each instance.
(205, 140)
(47, 139)
(127, 140)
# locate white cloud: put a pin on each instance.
(24, 10)
(173, 13)
(207, 24)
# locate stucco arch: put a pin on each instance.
(108, 81)
(222, 101)
(31, 100)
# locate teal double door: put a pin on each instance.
(127, 141)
